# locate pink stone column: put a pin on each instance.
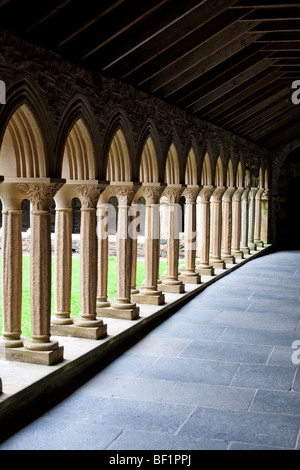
(188, 273)
(89, 195)
(170, 282)
(41, 196)
(133, 223)
(216, 227)
(102, 268)
(227, 225)
(149, 293)
(258, 213)
(244, 227)
(236, 224)
(203, 266)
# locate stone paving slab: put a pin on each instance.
(217, 374)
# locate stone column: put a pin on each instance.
(63, 258)
(244, 227)
(41, 347)
(204, 267)
(170, 282)
(102, 268)
(227, 225)
(123, 307)
(265, 215)
(216, 227)
(88, 195)
(11, 266)
(252, 196)
(257, 226)
(189, 274)
(149, 293)
(133, 223)
(236, 224)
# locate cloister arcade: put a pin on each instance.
(225, 216)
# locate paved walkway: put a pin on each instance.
(218, 374)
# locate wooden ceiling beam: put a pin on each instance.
(286, 118)
(189, 52)
(170, 36)
(243, 94)
(270, 14)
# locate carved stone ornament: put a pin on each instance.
(152, 193)
(259, 193)
(88, 195)
(173, 194)
(191, 194)
(206, 193)
(40, 195)
(218, 194)
(227, 197)
(238, 194)
(124, 194)
(266, 195)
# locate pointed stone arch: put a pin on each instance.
(230, 174)
(78, 161)
(219, 173)
(172, 157)
(191, 174)
(239, 175)
(148, 166)
(22, 151)
(206, 169)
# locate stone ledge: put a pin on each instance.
(25, 385)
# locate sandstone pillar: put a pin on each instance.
(227, 225)
(258, 217)
(189, 274)
(42, 348)
(265, 215)
(133, 223)
(216, 227)
(236, 224)
(102, 268)
(244, 228)
(63, 258)
(203, 266)
(11, 266)
(123, 307)
(89, 194)
(252, 195)
(170, 282)
(149, 293)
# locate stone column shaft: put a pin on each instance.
(188, 274)
(236, 223)
(258, 218)
(227, 225)
(203, 267)
(244, 227)
(102, 270)
(134, 224)
(11, 278)
(171, 283)
(216, 227)
(252, 195)
(149, 293)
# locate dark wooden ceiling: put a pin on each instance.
(228, 62)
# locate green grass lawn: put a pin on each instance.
(75, 295)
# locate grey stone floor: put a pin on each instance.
(220, 373)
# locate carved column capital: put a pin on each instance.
(237, 196)
(40, 194)
(173, 192)
(88, 195)
(228, 194)
(218, 194)
(191, 193)
(266, 195)
(246, 193)
(259, 193)
(205, 193)
(252, 193)
(151, 193)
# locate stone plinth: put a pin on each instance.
(47, 358)
(93, 332)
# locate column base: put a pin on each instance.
(252, 246)
(229, 259)
(100, 305)
(59, 319)
(31, 356)
(134, 291)
(238, 254)
(11, 343)
(76, 331)
(149, 297)
(245, 250)
(218, 263)
(259, 243)
(121, 313)
(190, 278)
(205, 270)
(174, 287)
